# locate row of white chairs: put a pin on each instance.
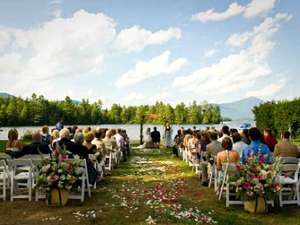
(288, 178)
(19, 176)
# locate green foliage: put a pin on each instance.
(39, 111)
(279, 116)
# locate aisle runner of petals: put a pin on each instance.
(155, 187)
(162, 197)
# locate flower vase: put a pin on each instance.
(258, 205)
(57, 197)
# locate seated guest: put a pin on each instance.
(212, 149)
(13, 144)
(204, 140)
(224, 132)
(155, 135)
(187, 136)
(245, 136)
(269, 139)
(98, 141)
(78, 148)
(285, 148)
(88, 138)
(232, 131)
(36, 147)
(46, 137)
(120, 142)
(64, 141)
(228, 155)
(109, 141)
(256, 147)
(54, 137)
(238, 144)
(178, 140)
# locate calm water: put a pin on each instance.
(133, 130)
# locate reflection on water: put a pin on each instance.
(133, 130)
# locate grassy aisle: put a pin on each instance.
(152, 188)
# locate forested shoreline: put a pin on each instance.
(279, 116)
(16, 111)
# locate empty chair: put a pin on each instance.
(21, 178)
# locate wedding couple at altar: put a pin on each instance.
(152, 139)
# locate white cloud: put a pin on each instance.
(159, 65)
(269, 90)
(133, 96)
(254, 8)
(234, 9)
(55, 8)
(238, 71)
(257, 7)
(63, 48)
(137, 38)
(162, 96)
(261, 35)
(210, 53)
(238, 40)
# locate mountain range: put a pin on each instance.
(237, 110)
(240, 110)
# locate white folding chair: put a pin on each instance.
(289, 179)
(98, 166)
(85, 185)
(21, 178)
(109, 161)
(213, 176)
(4, 178)
(229, 169)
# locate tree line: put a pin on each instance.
(16, 111)
(279, 116)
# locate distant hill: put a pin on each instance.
(5, 95)
(241, 109)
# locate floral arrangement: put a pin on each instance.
(58, 171)
(257, 179)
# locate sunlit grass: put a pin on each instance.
(130, 182)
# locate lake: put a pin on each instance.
(133, 130)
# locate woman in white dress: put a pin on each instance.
(168, 135)
(147, 140)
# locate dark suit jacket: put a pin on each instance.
(32, 149)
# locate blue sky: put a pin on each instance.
(138, 52)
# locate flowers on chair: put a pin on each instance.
(257, 179)
(59, 172)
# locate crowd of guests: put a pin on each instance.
(76, 141)
(214, 147)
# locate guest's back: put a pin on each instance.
(214, 147)
(285, 148)
(36, 147)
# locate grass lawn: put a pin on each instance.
(151, 184)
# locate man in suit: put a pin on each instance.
(212, 150)
(285, 148)
(155, 135)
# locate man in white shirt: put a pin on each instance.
(225, 133)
